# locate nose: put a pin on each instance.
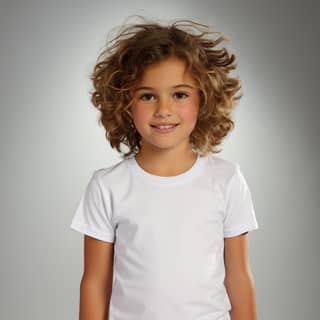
(164, 107)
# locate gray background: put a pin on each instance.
(51, 143)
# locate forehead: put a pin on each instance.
(166, 74)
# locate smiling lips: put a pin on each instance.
(165, 128)
(165, 125)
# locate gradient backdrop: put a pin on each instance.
(51, 143)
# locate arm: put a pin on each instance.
(96, 282)
(239, 280)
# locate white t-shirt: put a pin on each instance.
(168, 235)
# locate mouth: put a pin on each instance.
(165, 129)
(165, 126)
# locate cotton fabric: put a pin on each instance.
(168, 235)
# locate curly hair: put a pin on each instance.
(136, 46)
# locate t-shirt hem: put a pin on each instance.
(88, 230)
(239, 230)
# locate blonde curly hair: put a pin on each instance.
(121, 65)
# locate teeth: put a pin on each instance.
(165, 127)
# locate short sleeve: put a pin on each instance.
(240, 212)
(93, 215)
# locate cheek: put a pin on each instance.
(140, 115)
(189, 114)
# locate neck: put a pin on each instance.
(166, 163)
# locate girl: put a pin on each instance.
(165, 229)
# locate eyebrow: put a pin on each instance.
(177, 86)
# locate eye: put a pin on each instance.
(178, 94)
(183, 93)
(144, 95)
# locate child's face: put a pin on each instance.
(166, 104)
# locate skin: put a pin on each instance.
(165, 155)
(96, 282)
(239, 280)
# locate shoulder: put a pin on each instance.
(112, 175)
(221, 168)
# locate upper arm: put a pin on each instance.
(98, 261)
(236, 255)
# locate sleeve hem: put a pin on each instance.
(85, 229)
(239, 230)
